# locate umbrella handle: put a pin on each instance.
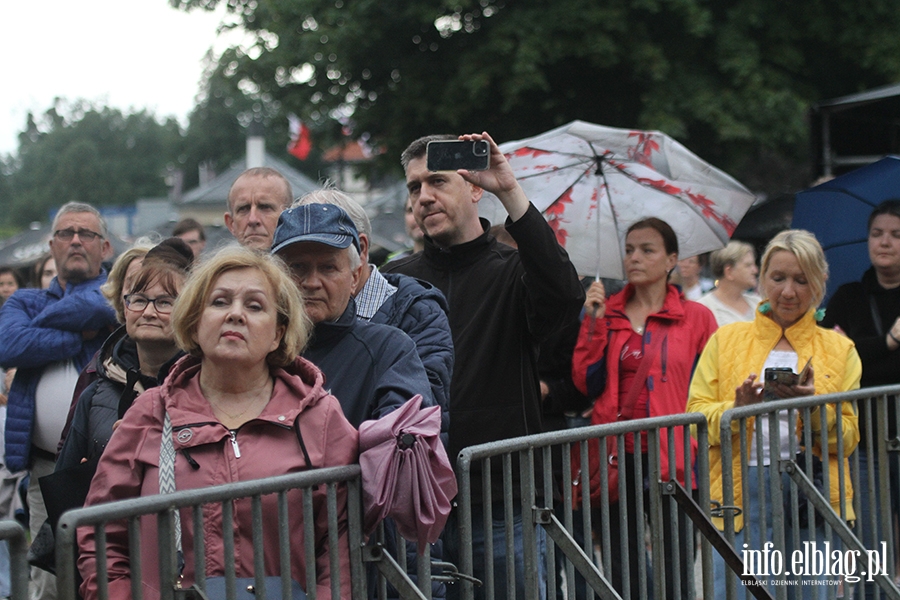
(594, 310)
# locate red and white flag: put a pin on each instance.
(300, 144)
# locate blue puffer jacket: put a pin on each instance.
(420, 310)
(41, 327)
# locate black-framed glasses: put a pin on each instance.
(67, 235)
(139, 303)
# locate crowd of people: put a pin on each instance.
(128, 369)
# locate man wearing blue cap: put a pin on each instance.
(371, 369)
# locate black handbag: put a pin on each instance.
(42, 551)
(62, 490)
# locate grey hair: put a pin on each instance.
(355, 259)
(335, 197)
(81, 207)
(265, 172)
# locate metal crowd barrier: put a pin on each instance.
(163, 507)
(531, 480)
(537, 486)
(13, 533)
(836, 556)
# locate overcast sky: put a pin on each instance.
(128, 54)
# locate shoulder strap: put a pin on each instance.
(640, 379)
(167, 480)
(129, 393)
(876, 316)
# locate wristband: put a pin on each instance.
(891, 335)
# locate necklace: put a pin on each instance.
(266, 393)
(219, 408)
(639, 329)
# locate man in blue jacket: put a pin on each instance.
(49, 335)
(415, 307)
(371, 369)
(418, 309)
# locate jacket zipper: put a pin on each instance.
(234, 444)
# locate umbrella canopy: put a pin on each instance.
(837, 212)
(592, 182)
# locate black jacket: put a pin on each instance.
(503, 303)
(851, 309)
(107, 398)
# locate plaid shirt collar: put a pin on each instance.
(373, 295)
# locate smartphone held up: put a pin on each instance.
(452, 155)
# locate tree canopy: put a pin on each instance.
(81, 152)
(731, 79)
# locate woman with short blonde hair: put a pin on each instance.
(287, 298)
(241, 406)
(121, 276)
(784, 334)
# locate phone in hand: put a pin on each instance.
(451, 155)
(785, 376)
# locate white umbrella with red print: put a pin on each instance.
(592, 182)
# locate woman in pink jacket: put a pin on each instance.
(241, 407)
(648, 319)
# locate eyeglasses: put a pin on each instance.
(67, 235)
(139, 303)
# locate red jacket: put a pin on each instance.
(268, 446)
(690, 326)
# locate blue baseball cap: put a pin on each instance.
(323, 223)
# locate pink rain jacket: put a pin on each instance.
(268, 446)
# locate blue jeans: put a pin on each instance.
(753, 535)
(871, 507)
(453, 553)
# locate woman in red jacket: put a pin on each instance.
(648, 318)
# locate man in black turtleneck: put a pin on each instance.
(503, 303)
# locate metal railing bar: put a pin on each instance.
(392, 571)
(843, 530)
(715, 537)
(579, 560)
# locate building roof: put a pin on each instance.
(26, 247)
(386, 215)
(855, 130)
(852, 100)
(216, 191)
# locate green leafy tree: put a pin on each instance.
(216, 133)
(731, 79)
(81, 152)
(217, 127)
